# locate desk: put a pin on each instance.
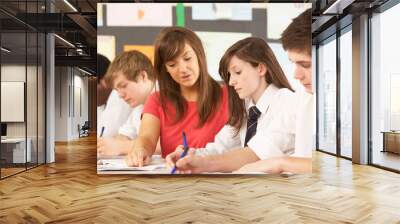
(16, 151)
(121, 168)
(156, 161)
(391, 141)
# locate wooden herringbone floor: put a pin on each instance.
(70, 191)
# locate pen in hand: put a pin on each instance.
(185, 150)
(102, 131)
(101, 135)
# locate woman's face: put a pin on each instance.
(184, 69)
(245, 78)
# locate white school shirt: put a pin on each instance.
(270, 105)
(296, 119)
(114, 115)
(305, 125)
(131, 127)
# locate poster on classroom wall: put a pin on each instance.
(100, 14)
(219, 11)
(106, 46)
(276, 23)
(215, 44)
(147, 50)
(140, 14)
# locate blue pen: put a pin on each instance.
(185, 150)
(102, 131)
(101, 135)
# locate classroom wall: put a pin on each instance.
(218, 25)
(71, 102)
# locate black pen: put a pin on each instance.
(102, 131)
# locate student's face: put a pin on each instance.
(184, 69)
(133, 93)
(244, 78)
(303, 68)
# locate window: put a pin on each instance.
(327, 96)
(346, 75)
(22, 76)
(385, 88)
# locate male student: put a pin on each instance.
(297, 41)
(108, 103)
(131, 75)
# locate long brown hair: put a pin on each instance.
(254, 51)
(169, 45)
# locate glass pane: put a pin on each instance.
(31, 98)
(346, 94)
(41, 98)
(327, 97)
(385, 86)
(13, 85)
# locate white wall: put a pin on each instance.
(71, 87)
(61, 103)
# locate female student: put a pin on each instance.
(259, 97)
(188, 98)
(296, 40)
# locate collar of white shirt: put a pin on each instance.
(265, 99)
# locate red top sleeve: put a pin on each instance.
(153, 104)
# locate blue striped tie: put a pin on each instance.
(254, 114)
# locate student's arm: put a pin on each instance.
(115, 146)
(146, 142)
(224, 141)
(122, 137)
(279, 165)
(226, 162)
(158, 148)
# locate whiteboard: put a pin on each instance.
(12, 101)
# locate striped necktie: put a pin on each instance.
(254, 114)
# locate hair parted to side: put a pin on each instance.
(297, 36)
(169, 44)
(130, 63)
(254, 51)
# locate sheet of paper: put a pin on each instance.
(100, 14)
(222, 11)
(139, 14)
(106, 46)
(157, 163)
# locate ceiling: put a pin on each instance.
(76, 23)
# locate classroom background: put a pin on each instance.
(127, 26)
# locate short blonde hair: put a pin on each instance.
(130, 63)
